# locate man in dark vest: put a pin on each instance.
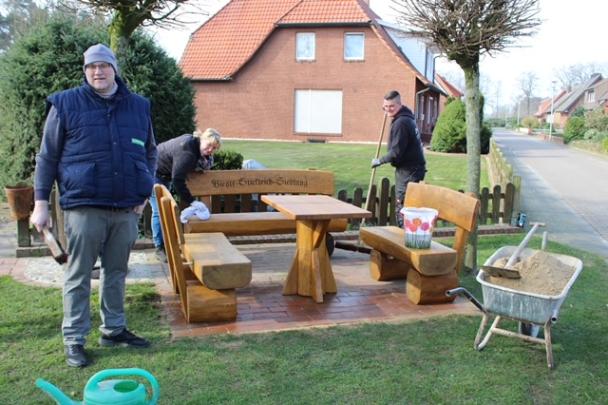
(405, 151)
(98, 144)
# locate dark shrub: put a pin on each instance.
(49, 59)
(450, 133)
(227, 160)
(574, 129)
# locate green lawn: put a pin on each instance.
(421, 362)
(351, 162)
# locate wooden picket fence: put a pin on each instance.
(496, 206)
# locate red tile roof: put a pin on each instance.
(449, 87)
(326, 11)
(229, 39)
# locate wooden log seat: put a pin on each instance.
(206, 281)
(233, 197)
(216, 262)
(390, 240)
(436, 269)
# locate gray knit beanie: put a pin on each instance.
(100, 53)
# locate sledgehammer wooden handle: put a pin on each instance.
(523, 244)
(58, 254)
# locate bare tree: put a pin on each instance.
(574, 75)
(464, 30)
(127, 16)
(527, 85)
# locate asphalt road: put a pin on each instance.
(563, 187)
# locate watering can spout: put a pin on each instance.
(55, 393)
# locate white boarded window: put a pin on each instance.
(354, 46)
(305, 46)
(318, 111)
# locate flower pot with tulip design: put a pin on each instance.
(419, 224)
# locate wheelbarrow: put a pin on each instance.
(536, 310)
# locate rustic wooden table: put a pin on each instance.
(310, 274)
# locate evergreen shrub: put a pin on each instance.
(450, 133)
(227, 160)
(49, 59)
(574, 129)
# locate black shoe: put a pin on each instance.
(161, 255)
(76, 356)
(124, 339)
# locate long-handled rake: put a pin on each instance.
(368, 201)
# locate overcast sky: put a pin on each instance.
(571, 32)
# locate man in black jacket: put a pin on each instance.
(176, 158)
(404, 149)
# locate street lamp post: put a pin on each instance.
(552, 100)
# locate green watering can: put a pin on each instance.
(100, 391)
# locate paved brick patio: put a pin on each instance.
(263, 308)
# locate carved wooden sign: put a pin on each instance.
(216, 182)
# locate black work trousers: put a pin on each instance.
(402, 177)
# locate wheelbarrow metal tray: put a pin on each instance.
(524, 306)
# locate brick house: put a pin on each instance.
(543, 113)
(597, 96)
(582, 96)
(305, 70)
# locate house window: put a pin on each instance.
(318, 111)
(305, 46)
(354, 46)
(590, 96)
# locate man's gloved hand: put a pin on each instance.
(376, 162)
(40, 216)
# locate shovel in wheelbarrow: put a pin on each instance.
(507, 271)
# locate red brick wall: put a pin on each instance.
(259, 102)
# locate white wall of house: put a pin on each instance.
(416, 50)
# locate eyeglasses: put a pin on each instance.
(99, 65)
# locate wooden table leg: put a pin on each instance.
(310, 273)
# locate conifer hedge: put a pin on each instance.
(49, 59)
(450, 133)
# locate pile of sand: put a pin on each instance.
(541, 273)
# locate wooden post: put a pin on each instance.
(23, 233)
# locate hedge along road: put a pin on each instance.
(563, 187)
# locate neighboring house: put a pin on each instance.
(597, 95)
(449, 89)
(582, 96)
(304, 70)
(543, 113)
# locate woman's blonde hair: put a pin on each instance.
(210, 136)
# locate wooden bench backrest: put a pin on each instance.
(225, 182)
(161, 191)
(454, 207)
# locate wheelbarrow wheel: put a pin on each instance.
(529, 329)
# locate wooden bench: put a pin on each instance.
(436, 269)
(236, 209)
(205, 268)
